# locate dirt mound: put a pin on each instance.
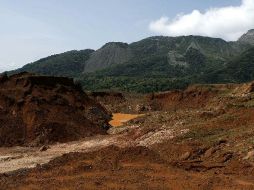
(198, 96)
(39, 109)
(109, 157)
(192, 97)
(244, 89)
(127, 168)
(125, 164)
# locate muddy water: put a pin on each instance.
(119, 118)
(15, 158)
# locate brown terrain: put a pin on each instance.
(41, 110)
(198, 138)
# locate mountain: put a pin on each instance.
(165, 63)
(69, 64)
(211, 47)
(153, 64)
(110, 54)
(241, 68)
(248, 38)
(238, 70)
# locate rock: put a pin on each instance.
(210, 152)
(44, 148)
(226, 157)
(185, 156)
(249, 155)
(220, 142)
(140, 108)
(117, 130)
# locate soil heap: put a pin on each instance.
(37, 110)
(201, 96)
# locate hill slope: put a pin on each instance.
(248, 37)
(153, 64)
(242, 67)
(110, 54)
(69, 64)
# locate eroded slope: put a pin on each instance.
(38, 110)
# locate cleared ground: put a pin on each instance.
(201, 138)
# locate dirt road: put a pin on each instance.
(16, 158)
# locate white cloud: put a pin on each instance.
(228, 23)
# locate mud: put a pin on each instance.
(119, 119)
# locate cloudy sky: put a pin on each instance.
(32, 29)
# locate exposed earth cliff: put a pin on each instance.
(38, 110)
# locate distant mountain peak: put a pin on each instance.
(111, 53)
(248, 37)
(115, 44)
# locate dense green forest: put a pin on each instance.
(153, 64)
(68, 64)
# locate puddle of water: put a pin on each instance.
(119, 118)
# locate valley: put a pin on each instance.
(197, 138)
(127, 95)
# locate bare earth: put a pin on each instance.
(198, 139)
(16, 158)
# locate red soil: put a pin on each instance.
(39, 109)
(197, 96)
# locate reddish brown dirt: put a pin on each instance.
(197, 96)
(128, 168)
(201, 139)
(39, 109)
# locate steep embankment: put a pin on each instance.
(213, 96)
(38, 110)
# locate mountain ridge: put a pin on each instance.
(154, 61)
(248, 37)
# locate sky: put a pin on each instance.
(33, 29)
